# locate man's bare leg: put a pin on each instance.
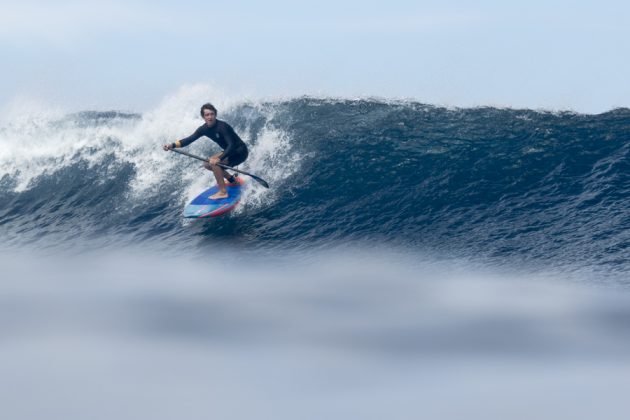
(218, 175)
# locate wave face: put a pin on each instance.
(496, 184)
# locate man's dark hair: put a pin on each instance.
(209, 107)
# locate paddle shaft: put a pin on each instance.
(257, 178)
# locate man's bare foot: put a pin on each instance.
(219, 195)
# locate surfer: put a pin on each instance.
(234, 149)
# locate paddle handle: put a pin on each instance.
(257, 178)
(181, 152)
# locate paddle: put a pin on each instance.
(256, 178)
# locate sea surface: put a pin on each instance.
(409, 261)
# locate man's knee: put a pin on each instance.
(210, 166)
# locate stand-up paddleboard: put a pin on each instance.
(204, 206)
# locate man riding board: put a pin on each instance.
(234, 149)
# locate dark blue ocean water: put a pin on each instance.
(409, 261)
(485, 183)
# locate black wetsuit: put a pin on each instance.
(234, 149)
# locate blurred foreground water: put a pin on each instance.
(335, 336)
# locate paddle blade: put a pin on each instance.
(260, 181)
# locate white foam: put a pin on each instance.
(38, 139)
(274, 160)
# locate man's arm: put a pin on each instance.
(186, 141)
(229, 136)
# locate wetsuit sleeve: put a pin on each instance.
(230, 139)
(194, 136)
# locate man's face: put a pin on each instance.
(209, 116)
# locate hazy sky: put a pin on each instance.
(128, 54)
